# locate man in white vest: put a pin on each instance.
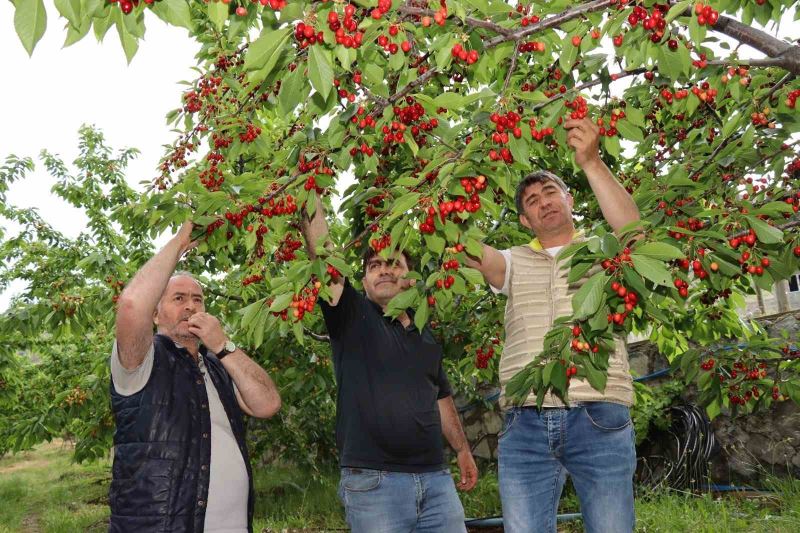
(593, 439)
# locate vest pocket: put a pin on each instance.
(142, 490)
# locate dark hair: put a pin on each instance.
(370, 252)
(536, 177)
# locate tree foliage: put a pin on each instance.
(426, 115)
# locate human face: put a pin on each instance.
(547, 209)
(182, 298)
(383, 279)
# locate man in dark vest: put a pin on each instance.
(180, 461)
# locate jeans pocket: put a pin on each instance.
(607, 416)
(360, 479)
(510, 418)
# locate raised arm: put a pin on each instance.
(617, 205)
(138, 301)
(258, 396)
(315, 230)
(492, 265)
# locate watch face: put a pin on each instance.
(230, 346)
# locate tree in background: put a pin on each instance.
(433, 111)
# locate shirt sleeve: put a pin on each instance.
(128, 382)
(337, 316)
(504, 289)
(444, 384)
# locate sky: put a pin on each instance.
(54, 92)
(44, 99)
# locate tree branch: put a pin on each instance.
(586, 85)
(550, 22)
(787, 56)
(511, 68)
(468, 21)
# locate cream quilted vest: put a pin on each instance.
(538, 293)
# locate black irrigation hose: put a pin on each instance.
(694, 443)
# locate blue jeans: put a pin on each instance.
(593, 442)
(377, 501)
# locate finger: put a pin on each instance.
(575, 134)
(575, 124)
(575, 140)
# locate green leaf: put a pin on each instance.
(435, 244)
(130, 44)
(635, 116)
(449, 100)
(611, 145)
(293, 91)
(568, 53)
(519, 149)
(765, 233)
(281, 302)
(577, 272)
(264, 52)
(373, 76)
(629, 131)
(297, 329)
(320, 70)
(422, 314)
(599, 321)
(403, 204)
(402, 301)
(669, 64)
(609, 245)
(596, 378)
(472, 276)
(676, 10)
(558, 378)
(217, 14)
(74, 35)
(30, 21)
(659, 250)
(713, 409)
(70, 10)
(175, 12)
(589, 297)
(652, 269)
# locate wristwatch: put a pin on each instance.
(228, 348)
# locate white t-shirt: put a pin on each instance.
(507, 256)
(228, 486)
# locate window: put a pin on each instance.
(794, 283)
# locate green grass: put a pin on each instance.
(43, 491)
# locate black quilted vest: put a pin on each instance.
(163, 445)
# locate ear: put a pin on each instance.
(155, 316)
(570, 201)
(524, 221)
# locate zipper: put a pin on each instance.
(551, 296)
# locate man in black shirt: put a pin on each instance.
(393, 403)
